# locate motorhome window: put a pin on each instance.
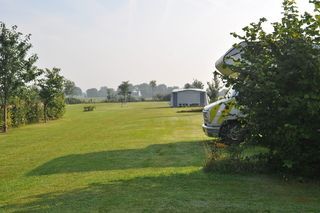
(234, 53)
(232, 56)
(231, 93)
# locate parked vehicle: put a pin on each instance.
(221, 117)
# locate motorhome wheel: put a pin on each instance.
(230, 132)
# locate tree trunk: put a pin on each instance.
(5, 117)
(45, 112)
(152, 94)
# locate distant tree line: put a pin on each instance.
(195, 84)
(125, 92)
(27, 94)
(139, 92)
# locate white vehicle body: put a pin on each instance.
(221, 116)
(217, 113)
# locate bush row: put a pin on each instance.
(26, 107)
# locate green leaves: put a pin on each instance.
(16, 66)
(124, 89)
(51, 92)
(278, 85)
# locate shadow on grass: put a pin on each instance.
(190, 110)
(161, 155)
(192, 192)
(136, 195)
(162, 107)
(173, 116)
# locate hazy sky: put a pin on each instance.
(103, 42)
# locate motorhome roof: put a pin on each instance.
(234, 53)
(189, 89)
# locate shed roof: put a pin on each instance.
(189, 89)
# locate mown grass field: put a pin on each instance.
(143, 157)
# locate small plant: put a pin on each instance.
(232, 159)
(88, 108)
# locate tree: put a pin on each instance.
(103, 92)
(162, 89)
(170, 89)
(69, 87)
(51, 90)
(153, 85)
(187, 86)
(123, 90)
(145, 89)
(197, 84)
(214, 87)
(278, 88)
(16, 65)
(25, 106)
(34, 107)
(111, 94)
(92, 93)
(77, 91)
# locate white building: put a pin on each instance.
(136, 92)
(189, 97)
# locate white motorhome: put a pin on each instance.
(220, 117)
(188, 97)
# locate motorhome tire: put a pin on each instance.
(230, 132)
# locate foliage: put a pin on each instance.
(21, 101)
(77, 91)
(138, 92)
(153, 85)
(26, 107)
(111, 94)
(16, 65)
(51, 93)
(88, 108)
(197, 84)
(33, 105)
(279, 88)
(239, 159)
(103, 92)
(92, 93)
(160, 97)
(187, 86)
(214, 87)
(56, 107)
(70, 100)
(69, 87)
(124, 90)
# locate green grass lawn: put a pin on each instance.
(143, 157)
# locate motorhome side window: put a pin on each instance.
(231, 93)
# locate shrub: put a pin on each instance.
(88, 108)
(70, 100)
(160, 97)
(56, 107)
(24, 108)
(279, 89)
(233, 159)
